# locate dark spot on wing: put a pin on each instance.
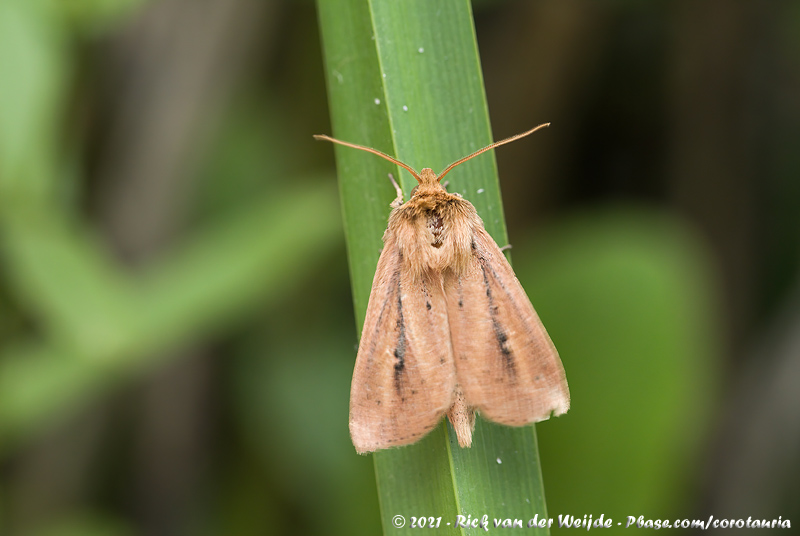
(400, 349)
(502, 340)
(499, 333)
(427, 296)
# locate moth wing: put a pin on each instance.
(505, 362)
(404, 378)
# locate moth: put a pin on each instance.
(449, 329)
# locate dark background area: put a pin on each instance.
(655, 225)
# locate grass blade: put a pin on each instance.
(405, 78)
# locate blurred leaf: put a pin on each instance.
(68, 281)
(297, 396)
(252, 140)
(264, 251)
(105, 327)
(626, 296)
(404, 77)
(33, 70)
(100, 15)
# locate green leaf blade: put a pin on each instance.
(404, 78)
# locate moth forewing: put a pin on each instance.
(404, 378)
(506, 364)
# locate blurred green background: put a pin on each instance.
(176, 325)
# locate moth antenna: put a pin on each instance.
(487, 148)
(373, 151)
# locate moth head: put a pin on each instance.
(428, 183)
(427, 178)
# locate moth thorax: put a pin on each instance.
(436, 227)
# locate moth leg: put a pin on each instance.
(398, 201)
(507, 246)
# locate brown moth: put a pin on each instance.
(449, 329)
